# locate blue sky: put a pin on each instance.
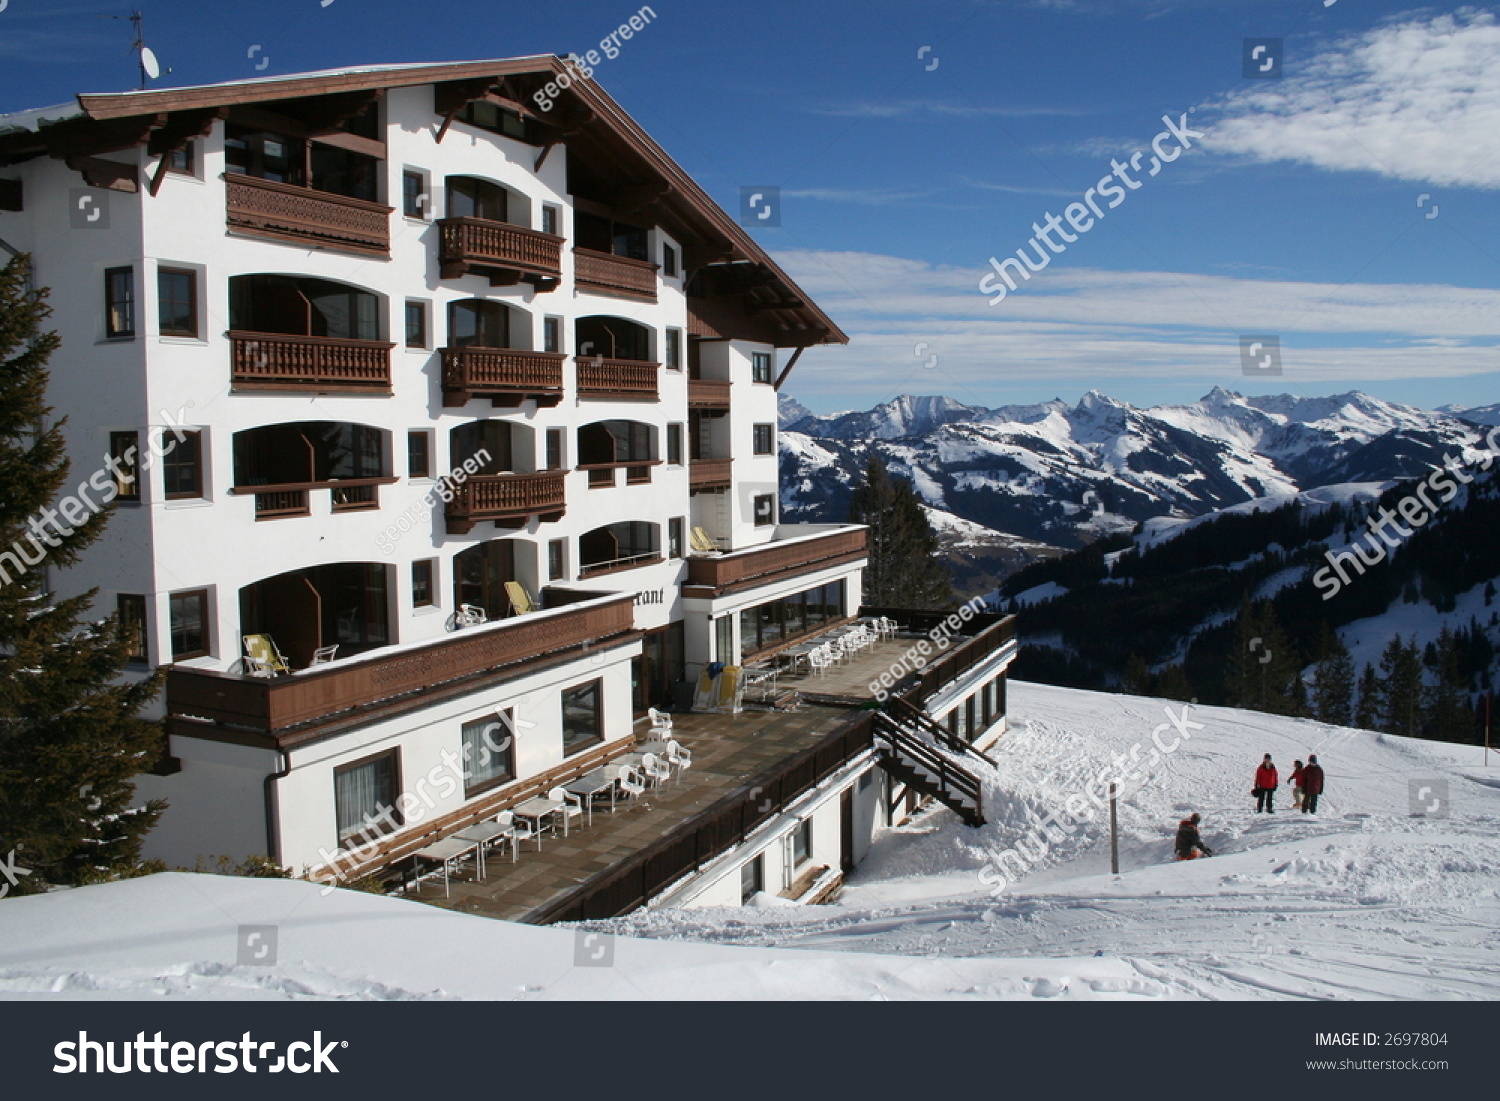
(1296, 215)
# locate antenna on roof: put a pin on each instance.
(150, 67)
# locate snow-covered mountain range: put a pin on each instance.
(1062, 475)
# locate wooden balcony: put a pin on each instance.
(317, 219)
(705, 393)
(506, 376)
(725, 573)
(505, 253)
(617, 379)
(705, 474)
(507, 499)
(619, 276)
(317, 364)
(296, 708)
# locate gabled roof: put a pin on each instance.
(598, 132)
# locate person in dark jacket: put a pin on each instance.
(1312, 785)
(1297, 785)
(1265, 786)
(1189, 843)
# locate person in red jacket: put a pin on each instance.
(1265, 787)
(1297, 785)
(1312, 785)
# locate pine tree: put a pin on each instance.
(906, 568)
(1448, 713)
(1333, 681)
(1264, 672)
(1367, 709)
(70, 741)
(1137, 676)
(1401, 688)
(1173, 684)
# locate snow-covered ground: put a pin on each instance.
(1365, 900)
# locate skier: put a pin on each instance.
(1189, 843)
(1297, 785)
(1265, 787)
(1312, 784)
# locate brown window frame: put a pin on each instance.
(412, 468)
(418, 309)
(201, 596)
(386, 826)
(766, 433)
(430, 564)
(192, 303)
(557, 559)
(597, 686)
(131, 441)
(112, 303)
(755, 510)
(172, 462)
(130, 611)
(507, 775)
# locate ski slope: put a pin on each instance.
(1363, 901)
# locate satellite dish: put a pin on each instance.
(149, 65)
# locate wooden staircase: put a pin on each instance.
(923, 766)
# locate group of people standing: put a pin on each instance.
(1307, 785)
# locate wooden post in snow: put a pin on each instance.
(1114, 833)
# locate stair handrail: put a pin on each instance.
(939, 732)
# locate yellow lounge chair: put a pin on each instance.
(520, 600)
(262, 657)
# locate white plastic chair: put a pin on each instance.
(470, 615)
(324, 654)
(679, 758)
(520, 830)
(571, 808)
(657, 771)
(625, 777)
(661, 722)
(820, 660)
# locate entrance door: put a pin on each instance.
(846, 831)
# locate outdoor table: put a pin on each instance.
(482, 833)
(448, 851)
(537, 808)
(590, 785)
(658, 747)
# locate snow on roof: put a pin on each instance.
(34, 118)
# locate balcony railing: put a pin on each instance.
(275, 361)
(709, 473)
(505, 497)
(614, 565)
(772, 561)
(504, 252)
(392, 680)
(276, 502)
(617, 379)
(705, 393)
(267, 208)
(606, 273)
(506, 376)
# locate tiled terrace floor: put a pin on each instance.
(727, 751)
(850, 680)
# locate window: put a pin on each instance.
(418, 454)
(581, 718)
(668, 260)
(760, 367)
(119, 302)
(488, 753)
(182, 467)
(802, 843)
(552, 334)
(674, 445)
(674, 537)
(724, 640)
(554, 449)
(177, 301)
(364, 796)
(414, 195)
(183, 161)
(131, 610)
(765, 509)
(752, 879)
(765, 439)
(423, 587)
(416, 324)
(124, 456)
(549, 220)
(788, 617)
(556, 563)
(500, 120)
(601, 234)
(189, 617)
(673, 350)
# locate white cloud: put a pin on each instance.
(1104, 327)
(1417, 99)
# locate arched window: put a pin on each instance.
(343, 604)
(490, 442)
(469, 197)
(612, 338)
(480, 574)
(300, 306)
(309, 451)
(618, 546)
(478, 323)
